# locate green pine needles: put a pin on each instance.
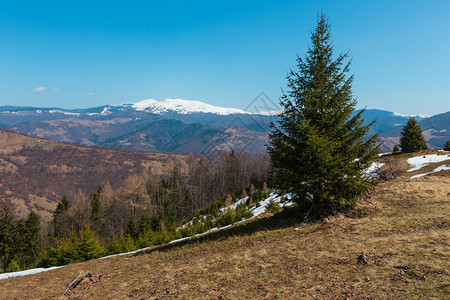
(319, 150)
(411, 139)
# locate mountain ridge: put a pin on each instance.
(207, 126)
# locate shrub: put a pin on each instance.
(273, 206)
(13, 266)
(87, 245)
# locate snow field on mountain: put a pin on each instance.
(184, 107)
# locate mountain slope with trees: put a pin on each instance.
(402, 227)
(35, 173)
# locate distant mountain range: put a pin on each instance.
(182, 126)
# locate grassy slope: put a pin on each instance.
(404, 222)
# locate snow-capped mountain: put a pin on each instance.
(183, 107)
(176, 125)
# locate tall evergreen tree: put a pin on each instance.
(319, 151)
(411, 139)
(61, 220)
(8, 236)
(32, 239)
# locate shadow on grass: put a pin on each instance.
(288, 217)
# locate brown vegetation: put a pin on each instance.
(403, 228)
(36, 173)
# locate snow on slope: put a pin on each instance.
(144, 104)
(183, 107)
(256, 212)
(438, 169)
(418, 162)
(26, 272)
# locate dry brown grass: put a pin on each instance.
(404, 222)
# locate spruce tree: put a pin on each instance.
(411, 139)
(395, 149)
(319, 151)
(32, 240)
(447, 146)
(62, 206)
(8, 237)
(61, 219)
(131, 228)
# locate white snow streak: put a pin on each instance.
(26, 272)
(438, 169)
(419, 162)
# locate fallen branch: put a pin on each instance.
(307, 214)
(362, 259)
(76, 281)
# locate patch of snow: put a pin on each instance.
(26, 272)
(144, 104)
(54, 111)
(443, 130)
(372, 170)
(105, 111)
(419, 162)
(438, 169)
(269, 112)
(384, 153)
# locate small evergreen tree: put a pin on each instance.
(131, 228)
(447, 146)
(319, 150)
(87, 245)
(395, 149)
(62, 206)
(411, 139)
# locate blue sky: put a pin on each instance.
(76, 54)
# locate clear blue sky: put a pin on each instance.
(90, 53)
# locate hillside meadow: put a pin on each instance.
(402, 226)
